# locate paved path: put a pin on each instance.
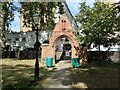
(59, 79)
(63, 64)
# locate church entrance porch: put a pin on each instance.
(63, 32)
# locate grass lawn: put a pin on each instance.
(96, 76)
(17, 74)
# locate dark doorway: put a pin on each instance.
(63, 50)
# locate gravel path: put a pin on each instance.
(59, 79)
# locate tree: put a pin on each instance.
(117, 5)
(45, 12)
(81, 52)
(7, 11)
(6, 17)
(98, 24)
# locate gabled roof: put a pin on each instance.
(63, 24)
(70, 16)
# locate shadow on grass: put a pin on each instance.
(22, 76)
(93, 76)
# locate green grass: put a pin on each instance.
(96, 76)
(21, 76)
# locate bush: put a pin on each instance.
(96, 56)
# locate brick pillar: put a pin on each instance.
(45, 50)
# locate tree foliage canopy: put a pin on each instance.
(7, 12)
(98, 24)
(44, 10)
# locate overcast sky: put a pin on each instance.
(72, 5)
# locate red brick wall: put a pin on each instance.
(58, 33)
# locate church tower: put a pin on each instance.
(23, 28)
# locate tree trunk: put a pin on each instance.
(98, 42)
(99, 47)
(18, 53)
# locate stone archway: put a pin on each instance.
(63, 29)
(62, 54)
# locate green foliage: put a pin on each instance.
(7, 11)
(23, 77)
(45, 12)
(98, 24)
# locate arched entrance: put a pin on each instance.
(62, 30)
(63, 49)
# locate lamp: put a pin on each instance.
(37, 44)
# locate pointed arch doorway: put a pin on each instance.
(63, 49)
(63, 29)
